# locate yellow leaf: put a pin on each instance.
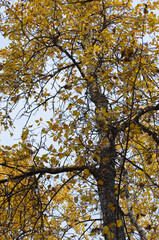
(79, 89)
(76, 199)
(95, 231)
(80, 101)
(44, 130)
(68, 86)
(105, 160)
(69, 223)
(100, 182)
(111, 206)
(50, 148)
(105, 230)
(90, 142)
(112, 225)
(25, 134)
(119, 223)
(91, 79)
(96, 158)
(1, 66)
(86, 171)
(76, 113)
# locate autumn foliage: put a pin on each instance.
(83, 77)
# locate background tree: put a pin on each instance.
(83, 77)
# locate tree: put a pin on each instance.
(83, 75)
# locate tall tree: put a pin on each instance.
(83, 78)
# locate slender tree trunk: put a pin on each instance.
(108, 203)
(106, 173)
(105, 177)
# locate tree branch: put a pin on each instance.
(130, 212)
(141, 169)
(148, 131)
(147, 109)
(33, 171)
(136, 119)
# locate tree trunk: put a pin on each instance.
(105, 177)
(106, 173)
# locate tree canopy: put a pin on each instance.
(82, 76)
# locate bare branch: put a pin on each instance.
(130, 211)
(42, 171)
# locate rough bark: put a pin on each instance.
(107, 196)
(106, 173)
